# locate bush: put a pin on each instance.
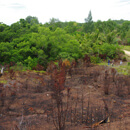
(111, 50)
(128, 41)
(124, 59)
(19, 67)
(31, 62)
(94, 59)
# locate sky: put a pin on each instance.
(12, 11)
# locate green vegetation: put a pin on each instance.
(126, 48)
(30, 43)
(123, 69)
(103, 63)
(42, 72)
(3, 81)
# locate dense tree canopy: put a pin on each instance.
(29, 42)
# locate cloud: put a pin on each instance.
(12, 4)
(125, 1)
(12, 11)
(16, 6)
(64, 10)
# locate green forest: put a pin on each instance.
(29, 42)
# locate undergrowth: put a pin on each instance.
(126, 48)
(123, 69)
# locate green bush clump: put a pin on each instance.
(31, 62)
(111, 50)
(19, 67)
(128, 40)
(95, 59)
(124, 58)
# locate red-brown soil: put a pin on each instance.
(96, 92)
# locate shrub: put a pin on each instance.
(128, 41)
(111, 50)
(19, 67)
(124, 59)
(31, 62)
(95, 59)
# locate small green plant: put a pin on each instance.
(125, 69)
(42, 72)
(3, 81)
(124, 58)
(103, 63)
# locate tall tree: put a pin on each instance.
(54, 23)
(88, 26)
(32, 20)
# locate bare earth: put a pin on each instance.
(127, 52)
(26, 100)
